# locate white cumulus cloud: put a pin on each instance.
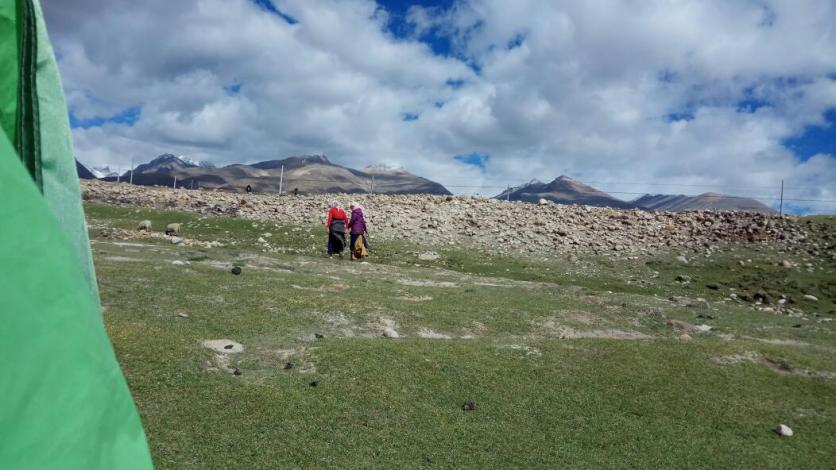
(630, 96)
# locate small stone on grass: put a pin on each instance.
(783, 430)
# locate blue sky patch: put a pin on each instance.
(667, 76)
(476, 159)
(815, 139)
(127, 117)
(751, 102)
(750, 105)
(232, 89)
(684, 115)
(409, 117)
(455, 83)
(437, 38)
(267, 5)
(516, 41)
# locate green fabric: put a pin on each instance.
(9, 70)
(27, 138)
(59, 178)
(64, 401)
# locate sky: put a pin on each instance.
(633, 97)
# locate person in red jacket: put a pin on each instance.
(335, 226)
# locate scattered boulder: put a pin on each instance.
(685, 337)
(682, 259)
(713, 286)
(761, 297)
(144, 226)
(811, 298)
(288, 366)
(524, 227)
(236, 371)
(172, 229)
(176, 240)
(469, 405)
(390, 332)
(236, 270)
(682, 279)
(783, 430)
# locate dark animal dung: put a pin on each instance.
(288, 365)
(236, 270)
(469, 405)
(237, 371)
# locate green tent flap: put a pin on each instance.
(10, 69)
(65, 404)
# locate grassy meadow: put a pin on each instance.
(570, 361)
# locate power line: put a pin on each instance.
(770, 198)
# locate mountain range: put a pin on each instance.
(565, 190)
(308, 174)
(315, 174)
(706, 201)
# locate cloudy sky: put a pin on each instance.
(673, 96)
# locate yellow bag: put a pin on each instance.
(359, 250)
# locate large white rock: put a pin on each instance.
(783, 430)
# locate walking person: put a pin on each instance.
(359, 232)
(335, 226)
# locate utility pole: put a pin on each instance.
(372, 191)
(281, 180)
(508, 194)
(118, 173)
(781, 210)
(132, 171)
(175, 182)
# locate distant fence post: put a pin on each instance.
(781, 209)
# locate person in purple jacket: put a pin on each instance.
(357, 227)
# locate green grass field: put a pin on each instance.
(571, 363)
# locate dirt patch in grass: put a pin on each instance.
(552, 328)
(415, 298)
(777, 365)
(427, 283)
(527, 350)
(123, 259)
(222, 348)
(430, 334)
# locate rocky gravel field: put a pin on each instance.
(499, 226)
